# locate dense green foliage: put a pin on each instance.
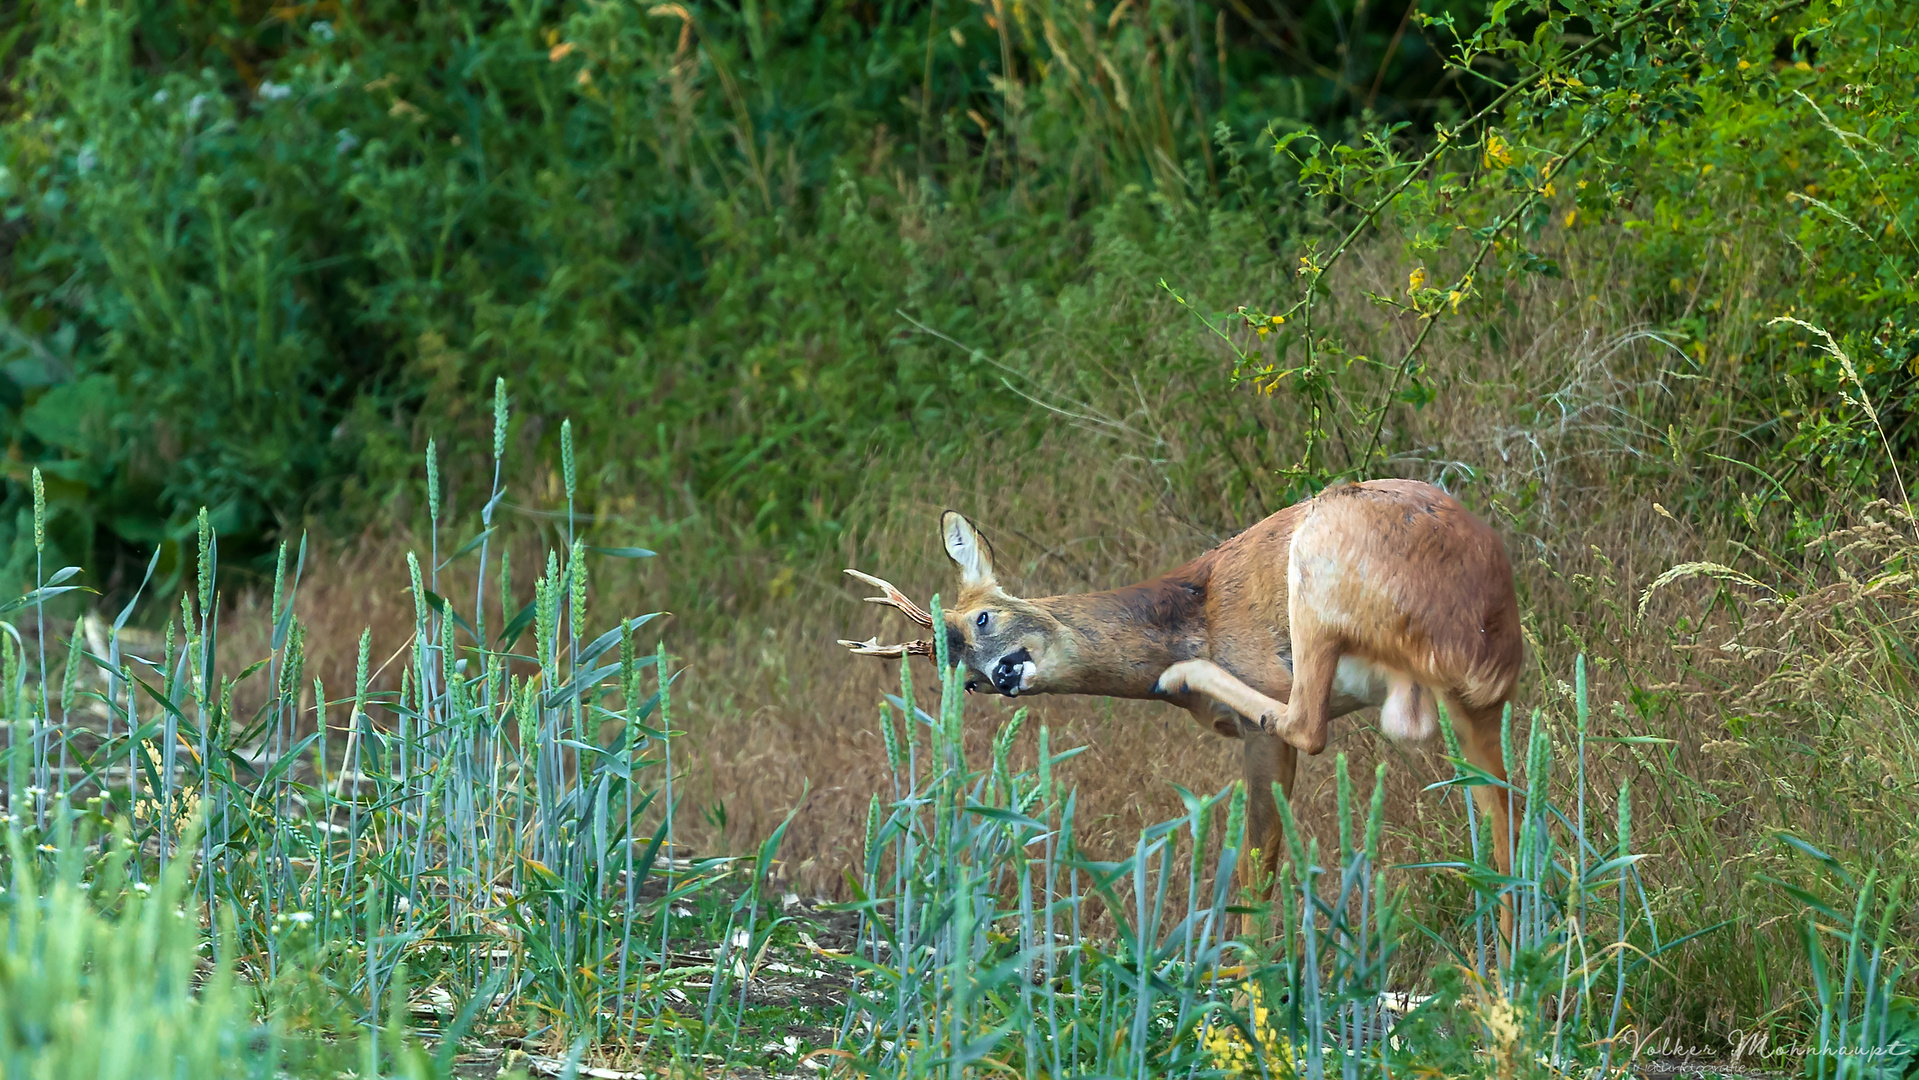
(1744, 182)
(251, 252)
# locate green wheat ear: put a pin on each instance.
(871, 853)
(576, 572)
(279, 581)
(1625, 818)
(626, 660)
(499, 418)
(432, 480)
(419, 590)
(891, 738)
(1579, 691)
(566, 455)
(206, 563)
(1236, 816)
(359, 677)
(39, 512)
(72, 673)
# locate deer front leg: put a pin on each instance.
(1268, 760)
(1209, 679)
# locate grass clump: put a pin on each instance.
(485, 817)
(103, 979)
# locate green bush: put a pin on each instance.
(248, 260)
(1762, 201)
(1798, 194)
(251, 254)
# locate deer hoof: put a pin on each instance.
(1172, 680)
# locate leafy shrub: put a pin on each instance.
(251, 252)
(1797, 192)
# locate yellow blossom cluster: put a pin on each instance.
(1498, 153)
(1235, 1056)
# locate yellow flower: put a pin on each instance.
(1262, 331)
(1235, 1056)
(1550, 191)
(1498, 154)
(1279, 320)
(1416, 280)
(1572, 214)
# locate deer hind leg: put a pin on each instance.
(1478, 731)
(1208, 679)
(1315, 667)
(1268, 760)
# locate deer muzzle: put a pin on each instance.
(1014, 672)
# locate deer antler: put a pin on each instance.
(900, 602)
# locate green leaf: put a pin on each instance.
(621, 552)
(467, 547)
(445, 607)
(517, 625)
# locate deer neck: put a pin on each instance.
(1116, 643)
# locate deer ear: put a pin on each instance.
(966, 547)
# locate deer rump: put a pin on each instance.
(1407, 598)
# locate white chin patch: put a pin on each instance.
(1026, 673)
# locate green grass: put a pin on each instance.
(472, 774)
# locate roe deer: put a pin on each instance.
(1386, 593)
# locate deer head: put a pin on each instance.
(1004, 642)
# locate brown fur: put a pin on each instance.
(1392, 573)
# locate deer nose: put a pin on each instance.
(1011, 671)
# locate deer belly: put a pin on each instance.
(1360, 682)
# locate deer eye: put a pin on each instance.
(981, 621)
